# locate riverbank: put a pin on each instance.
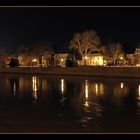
(129, 72)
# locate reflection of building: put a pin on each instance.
(62, 86)
(35, 83)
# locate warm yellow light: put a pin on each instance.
(121, 58)
(86, 89)
(85, 57)
(34, 85)
(122, 85)
(62, 60)
(137, 65)
(101, 62)
(34, 60)
(86, 104)
(138, 92)
(96, 89)
(62, 86)
(104, 62)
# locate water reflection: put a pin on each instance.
(138, 94)
(99, 89)
(86, 94)
(62, 86)
(35, 83)
(91, 111)
(44, 86)
(14, 82)
(62, 91)
(121, 90)
(122, 85)
(14, 90)
(81, 103)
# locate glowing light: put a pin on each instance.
(86, 104)
(96, 88)
(62, 85)
(62, 60)
(138, 65)
(121, 58)
(122, 85)
(34, 60)
(34, 86)
(85, 57)
(104, 62)
(86, 89)
(100, 61)
(138, 92)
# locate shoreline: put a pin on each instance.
(118, 72)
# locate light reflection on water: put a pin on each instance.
(81, 103)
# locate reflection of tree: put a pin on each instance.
(115, 51)
(120, 91)
(41, 52)
(14, 82)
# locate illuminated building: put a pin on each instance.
(92, 60)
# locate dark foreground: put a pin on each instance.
(56, 104)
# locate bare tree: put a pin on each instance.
(115, 51)
(3, 57)
(41, 49)
(86, 42)
(103, 50)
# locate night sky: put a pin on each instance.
(25, 25)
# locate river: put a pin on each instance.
(66, 104)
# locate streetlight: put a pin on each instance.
(62, 60)
(34, 60)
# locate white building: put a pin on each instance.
(92, 60)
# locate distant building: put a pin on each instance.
(131, 59)
(92, 60)
(137, 56)
(60, 59)
(134, 59)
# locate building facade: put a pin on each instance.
(92, 60)
(60, 59)
(134, 59)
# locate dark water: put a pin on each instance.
(57, 104)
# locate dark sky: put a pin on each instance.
(57, 25)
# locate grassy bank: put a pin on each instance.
(77, 71)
